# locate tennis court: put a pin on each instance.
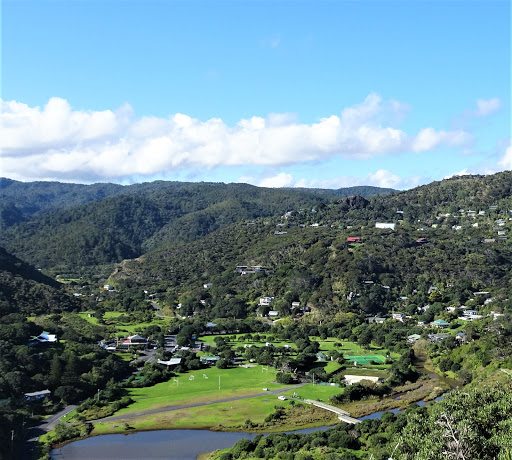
(366, 359)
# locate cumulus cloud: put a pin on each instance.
(58, 142)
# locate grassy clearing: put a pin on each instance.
(89, 319)
(228, 416)
(237, 381)
(316, 392)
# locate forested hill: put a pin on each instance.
(24, 289)
(21, 201)
(476, 193)
(132, 220)
(310, 259)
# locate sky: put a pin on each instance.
(280, 93)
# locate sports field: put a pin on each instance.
(366, 359)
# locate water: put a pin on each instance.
(163, 444)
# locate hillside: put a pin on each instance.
(310, 260)
(23, 289)
(132, 220)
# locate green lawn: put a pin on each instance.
(193, 387)
(85, 315)
(316, 392)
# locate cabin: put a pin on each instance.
(354, 239)
(420, 241)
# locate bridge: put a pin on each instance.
(344, 416)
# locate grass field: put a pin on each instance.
(237, 381)
(316, 392)
(111, 316)
(223, 416)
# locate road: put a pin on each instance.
(35, 432)
(186, 406)
(158, 310)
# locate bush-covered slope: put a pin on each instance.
(141, 217)
(23, 289)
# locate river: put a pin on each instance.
(180, 444)
(163, 444)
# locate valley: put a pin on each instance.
(231, 308)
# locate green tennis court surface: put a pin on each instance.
(366, 359)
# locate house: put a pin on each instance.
(489, 240)
(295, 304)
(44, 337)
(108, 287)
(385, 225)
(471, 213)
(413, 338)
(209, 324)
(354, 239)
(436, 338)
(375, 320)
(320, 356)
(461, 336)
(37, 395)
(209, 360)
(135, 340)
(207, 286)
(170, 363)
(273, 313)
(398, 317)
(266, 300)
(441, 323)
(421, 241)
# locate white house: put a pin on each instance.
(385, 225)
(266, 300)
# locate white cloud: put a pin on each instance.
(280, 180)
(57, 142)
(486, 107)
(379, 178)
(506, 161)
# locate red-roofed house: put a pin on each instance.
(354, 239)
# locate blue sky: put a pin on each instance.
(274, 93)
